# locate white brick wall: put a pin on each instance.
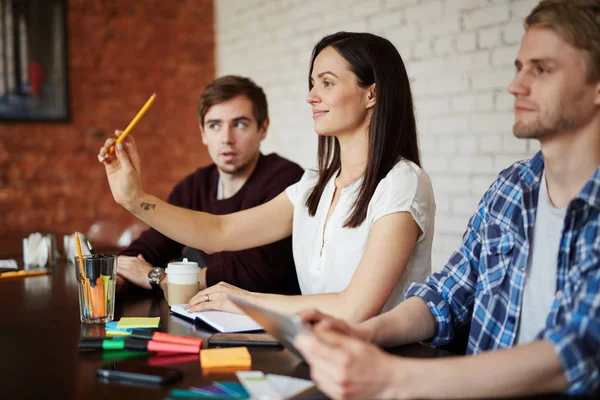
(459, 55)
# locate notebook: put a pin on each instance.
(219, 320)
(283, 327)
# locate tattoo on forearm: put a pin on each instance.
(148, 206)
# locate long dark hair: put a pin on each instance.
(392, 130)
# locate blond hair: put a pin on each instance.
(577, 22)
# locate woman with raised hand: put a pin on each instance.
(362, 224)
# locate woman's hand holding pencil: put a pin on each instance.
(123, 171)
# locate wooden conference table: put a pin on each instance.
(40, 330)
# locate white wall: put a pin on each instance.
(459, 55)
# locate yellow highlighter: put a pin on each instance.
(134, 121)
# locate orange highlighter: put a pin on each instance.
(165, 337)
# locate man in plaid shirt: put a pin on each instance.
(527, 275)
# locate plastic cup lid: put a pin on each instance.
(182, 267)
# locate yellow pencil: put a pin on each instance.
(23, 274)
(78, 245)
(134, 121)
(85, 287)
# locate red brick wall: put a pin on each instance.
(120, 52)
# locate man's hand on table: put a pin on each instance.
(134, 270)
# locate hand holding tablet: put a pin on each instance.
(284, 328)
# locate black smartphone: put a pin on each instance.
(243, 339)
(138, 372)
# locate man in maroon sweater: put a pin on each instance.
(234, 119)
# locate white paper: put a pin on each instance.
(271, 386)
(288, 386)
(220, 320)
(255, 383)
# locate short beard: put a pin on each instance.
(235, 171)
(545, 127)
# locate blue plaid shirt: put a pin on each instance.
(484, 279)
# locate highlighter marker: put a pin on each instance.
(138, 345)
(96, 287)
(166, 337)
(161, 360)
(105, 281)
(98, 338)
(105, 274)
(160, 347)
(101, 344)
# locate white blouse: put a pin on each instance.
(406, 188)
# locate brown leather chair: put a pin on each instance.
(131, 233)
(105, 234)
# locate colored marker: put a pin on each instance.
(98, 338)
(166, 337)
(103, 344)
(139, 345)
(170, 359)
(160, 347)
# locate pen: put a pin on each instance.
(165, 337)
(23, 274)
(140, 345)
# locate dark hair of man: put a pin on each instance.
(226, 88)
(392, 130)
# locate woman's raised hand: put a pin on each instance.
(123, 170)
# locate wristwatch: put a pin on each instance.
(154, 277)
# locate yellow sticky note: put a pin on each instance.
(117, 333)
(226, 357)
(141, 322)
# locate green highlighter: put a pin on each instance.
(101, 343)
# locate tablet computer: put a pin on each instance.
(284, 328)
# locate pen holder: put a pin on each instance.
(96, 282)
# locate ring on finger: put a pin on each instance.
(206, 298)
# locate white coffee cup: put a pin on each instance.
(182, 281)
